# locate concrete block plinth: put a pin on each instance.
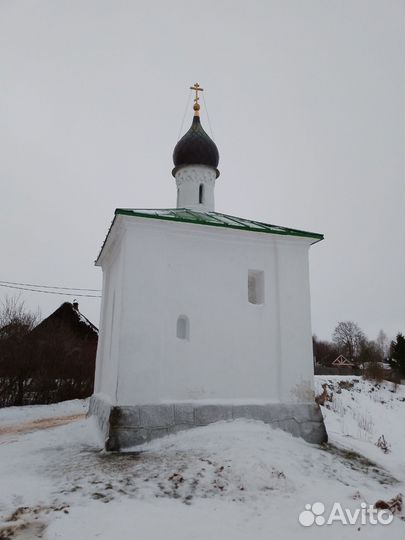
(127, 426)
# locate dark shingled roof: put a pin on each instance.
(195, 148)
(67, 316)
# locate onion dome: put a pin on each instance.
(195, 147)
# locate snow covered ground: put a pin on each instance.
(227, 481)
(10, 416)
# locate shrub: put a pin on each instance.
(374, 372)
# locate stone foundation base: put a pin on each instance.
(126, 426)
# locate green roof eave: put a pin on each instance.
(215, 219)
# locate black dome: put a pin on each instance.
(195, 148)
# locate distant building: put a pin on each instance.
(53, 362)
(68, 321)
(342, 361)
(65, 343)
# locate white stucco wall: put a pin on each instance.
(106, 377)
(236, 350)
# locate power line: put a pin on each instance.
(184, 115)
(49, 292)
(208, 117)
(49, 286)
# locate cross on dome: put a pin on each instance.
(197, 88)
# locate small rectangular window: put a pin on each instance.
(183, 327)
(256, 286)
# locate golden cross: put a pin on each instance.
(197, 89)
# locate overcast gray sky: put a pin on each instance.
(306, 102)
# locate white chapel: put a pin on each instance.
(205, 317)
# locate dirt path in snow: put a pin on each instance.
(42, 423)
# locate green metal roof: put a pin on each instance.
(215, 219)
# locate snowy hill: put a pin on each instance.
(360, 412)
(227, 481)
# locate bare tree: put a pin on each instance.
(16, 322)
(325, 351)
(14, 317)
(370, 353)
(383, 343)
(349, 339)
